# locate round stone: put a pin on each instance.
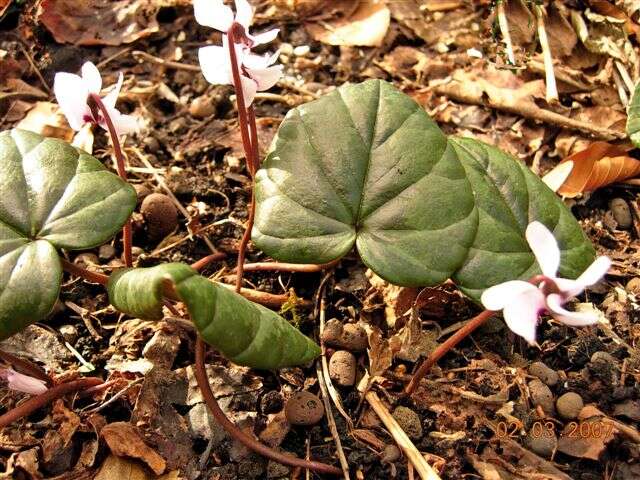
(304, 408)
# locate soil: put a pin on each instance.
(477, 408)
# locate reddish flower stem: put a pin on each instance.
(443, 348)
(74, 269)
(26, 366)
(239, 435)
(204, 261)
(34, 403)
(253, 128)
(246, 236)
(120, 165)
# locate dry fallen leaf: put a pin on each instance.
(366, 27)
(99, 22)
(599, 165)
(46, 119)
(123, 469)
(124, 440)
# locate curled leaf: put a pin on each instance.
(246, 333)
(599, 165)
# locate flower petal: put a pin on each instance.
(592, 275)
(266, 77)
(244, 14)
(254, 62)
(91, 77)
(215, 65)
(23, 383)
(265, 37)
(71, 93)
(574, 319)
(213, 13)
(521, 314)
(123, 123)
(249, 89)
(111, 98)
(545, 248)
(496, 297)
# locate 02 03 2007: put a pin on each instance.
(573, 429)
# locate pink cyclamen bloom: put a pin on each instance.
(23, 383)
(523, 302)
(215, 14)
(72, 92)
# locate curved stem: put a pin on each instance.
(26, 366)
(444, 347)
(246, 236)
(204, 261)
(74, 269)
(253, 130)
(239, 435)
(289, 267)
(33, 404)
(127, 236)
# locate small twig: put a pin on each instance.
(96, 101)
(239, 435)
(445, 347)
(552, 89)
(165, 63)
(504, 29)
(116, 396)
(423, 468)
(34, 67)
(288, 267)
(78, 271)
(26, 366)
(35, 403)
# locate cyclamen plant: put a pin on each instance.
(363, 167)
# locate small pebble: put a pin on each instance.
(342, 368)
(160, 215)
(543, 445)
(69, 333)
(569, 405)
(601, 356)
(542, 396)
(409, 421)
(86, 260)
(544, 373)
(304, 408)
(354, 338)
(152, 144)
(286, 48)
(301, 50)
(202, 107)
(107, 252)
(621, 212)
(390, 454)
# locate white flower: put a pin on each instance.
(215, 14)
(257, 73)
(22, 383)
(73, 91)
(523, 302)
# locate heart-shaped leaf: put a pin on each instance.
(245, 332)
(366, 166)
(52, 195)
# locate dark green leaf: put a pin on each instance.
(51, 195)
(366, 166)
(246, 333)
(633, 119)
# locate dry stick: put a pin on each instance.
(33, 404)
(425, 470)
(239, 435)
(444, 347)
(288, 267)
(122, 172)
(552, 89)
(26, 366)
(504, 29)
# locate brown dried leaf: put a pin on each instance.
(46, 119)
(124, 469)
(599, 165)
(124, 440)
(379, 351)
(99, 22)
(411, 342)
(366, 27)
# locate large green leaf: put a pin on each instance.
(366, 166)
(52, 195)
(633, 118)
(246, 333)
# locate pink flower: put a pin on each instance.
(257, 73)
(22, 383)
(523, 302)
(72, 92)
(215, 14)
